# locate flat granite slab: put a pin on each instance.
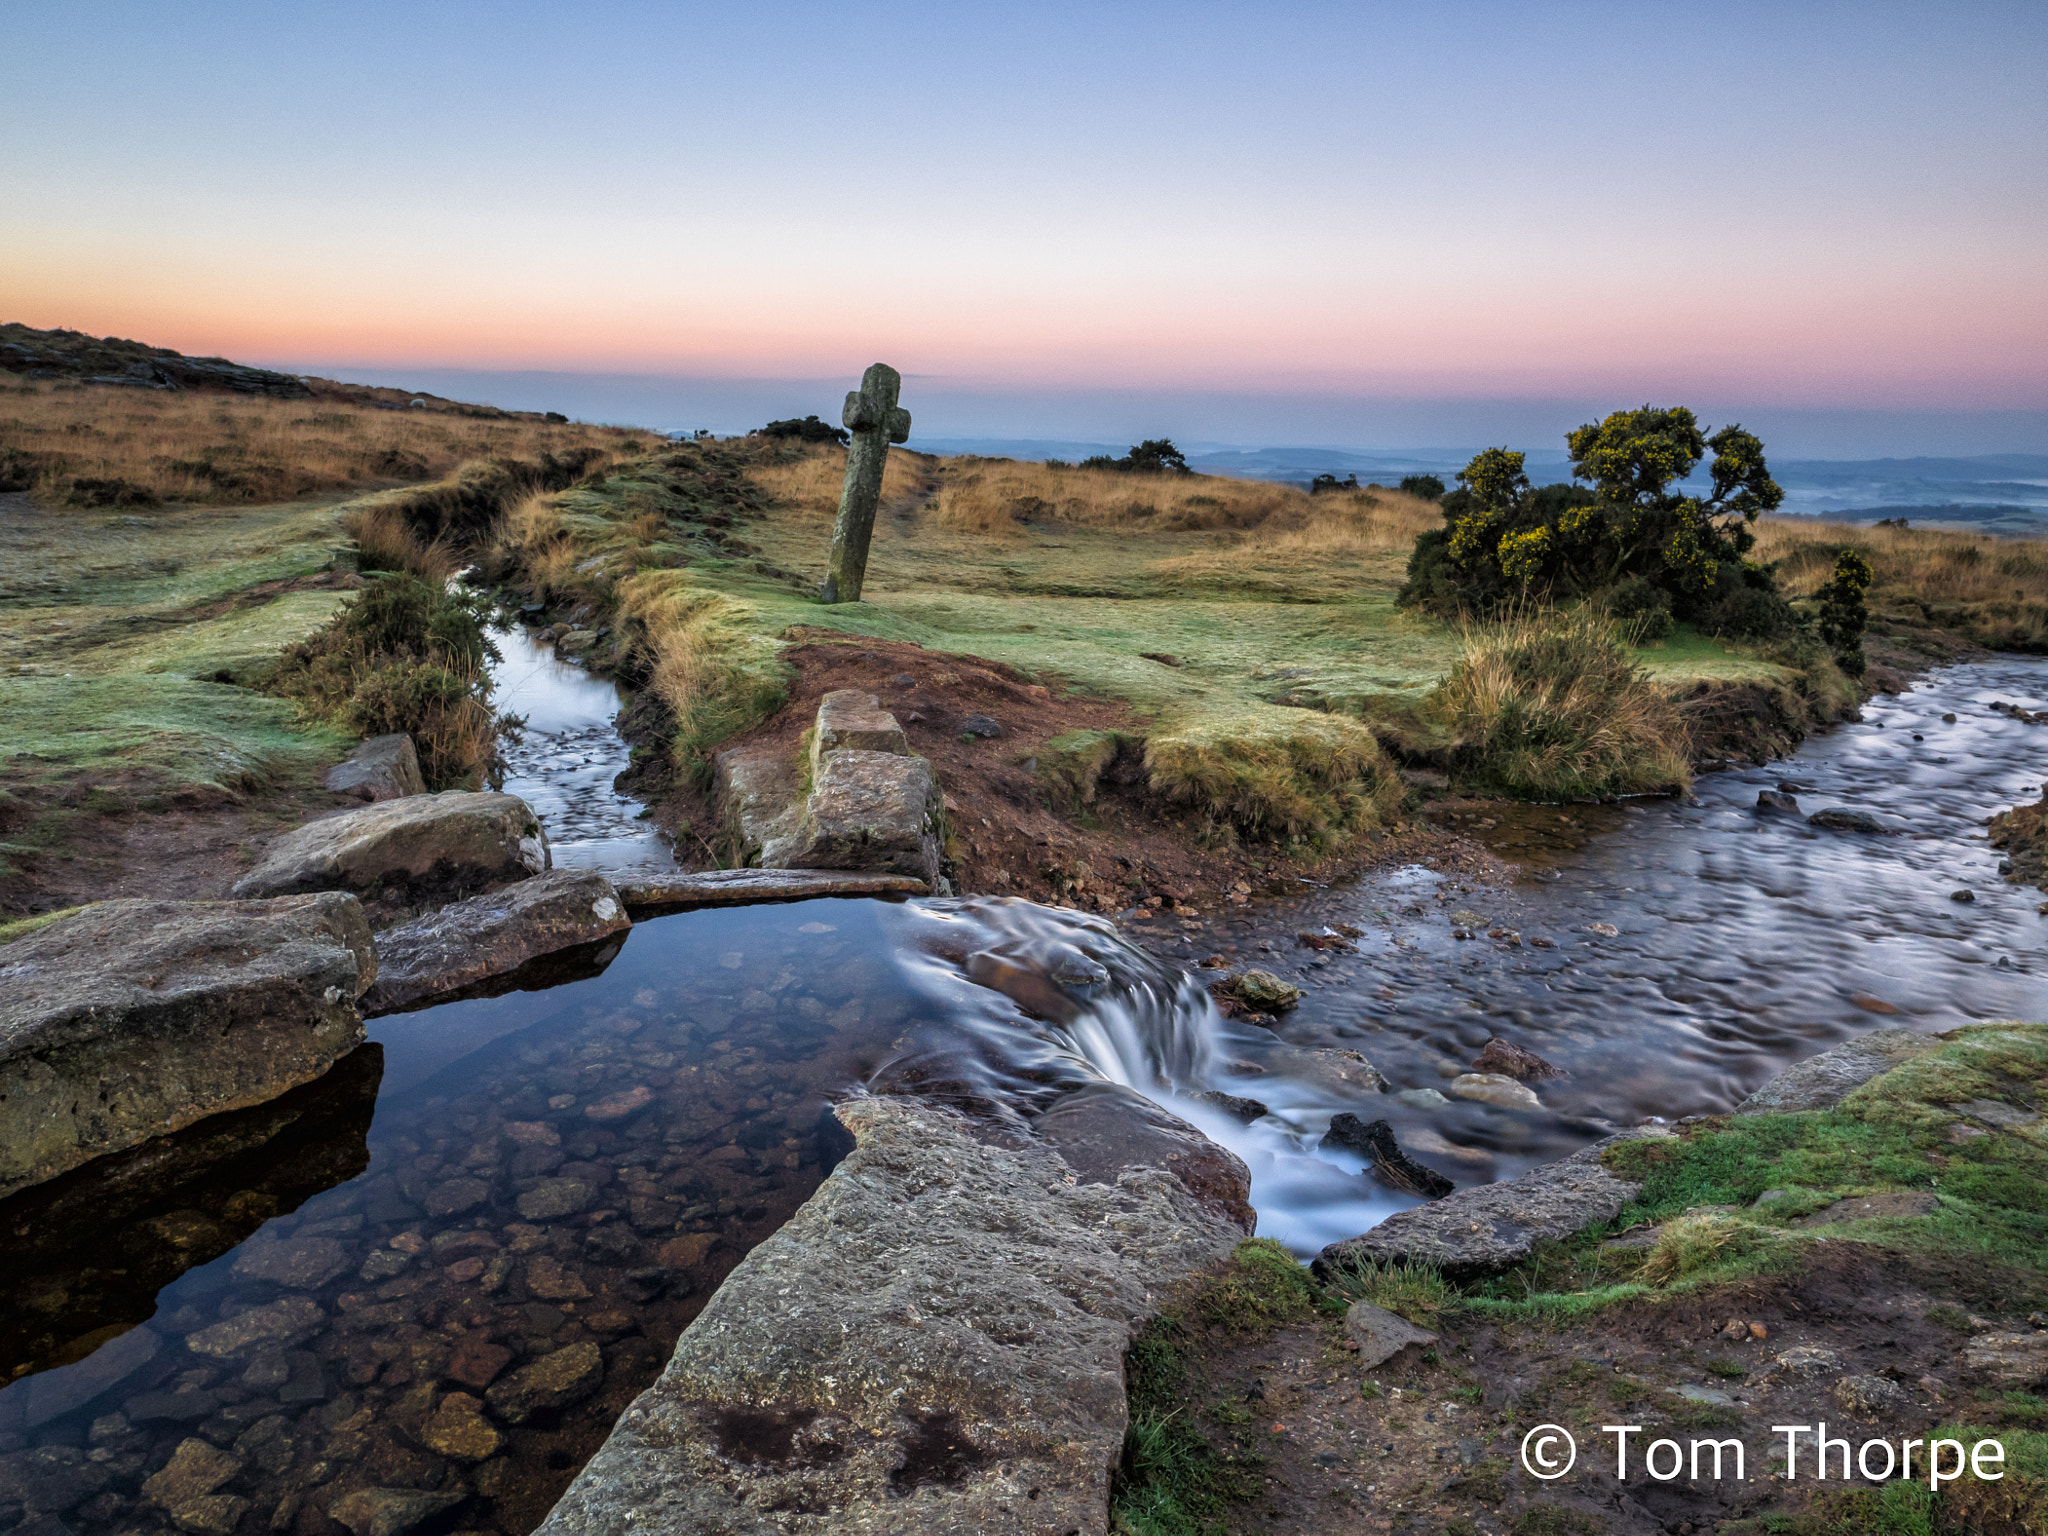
(132, 1019)
(934, 1343)
(746, 887)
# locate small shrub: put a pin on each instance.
(1842, 613)
(809, 430)
(1641, 609)
(1424, 487)
(407, 655)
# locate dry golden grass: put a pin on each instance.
(811, 484)
(1548, 705)
(386, 542)
(1994, 590)
(998, 497)
(133, 447)
(1308, 534)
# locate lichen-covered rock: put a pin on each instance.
(866, 810)
(490, 935)
(1491, 1227)
(1823, 1081)
(933, 1343)
(382, 768)
(1264, 991)
(443, 846)
(132, 1019)
(1380, 1335)
(849, 718)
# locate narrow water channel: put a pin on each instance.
(445, 1269)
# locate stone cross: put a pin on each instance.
(876, 421)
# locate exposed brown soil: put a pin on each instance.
(190, 850)
(1433, 1438)
(1129, 846)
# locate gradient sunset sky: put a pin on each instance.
(1806, 209)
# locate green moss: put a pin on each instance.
(21, 928)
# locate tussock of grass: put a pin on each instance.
(1285, 777)
(385, 541)
(1414, 1291)
(106, 447)
(1552, 706)
(809, 482)
(1690, 1245)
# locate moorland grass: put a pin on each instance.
(95, 446)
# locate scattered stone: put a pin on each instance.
(983, 727)
(185, 1407)
(1872, 1397)
(1837, 820)
(392, 1511)
(461, 945)
(552, 1199)
(688, 1251)
(1604, 930)
(383, 1264)
(2013, 1359)
(307, 1381)
(133, 1019)
(1246, 1110)
(1384, 1159)
(298, 1263)
(1493, 1088)
(453, 843)
(567, 1376)
(903, 680)
(1823, 1081)
(458, 1429)
(1483, 1229)
(622, 1105)
(1508, 1060)
(1698, 1394)
(1776, 800)
(278, 1324)
(382, 768)
(1379, 1335)
(1807, 1360)
(1964, 895)
(1422, 1098)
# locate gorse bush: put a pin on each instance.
(407, 656)
(1505, 541)
(1156, 455)
(1842, 614)
(1550, 706)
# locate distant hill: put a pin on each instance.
(116, 362)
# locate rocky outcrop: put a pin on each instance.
(1823, 1081)
(934, 1343)
(427, 848)
(748, 887)
(486, 936)
(131, 1019)
(1491, 1227)
(113, 360)
(871, 805)
(382, 768)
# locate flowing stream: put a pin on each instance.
(447, 1267)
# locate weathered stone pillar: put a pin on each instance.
(876, 421)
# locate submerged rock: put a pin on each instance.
(1384, 1158)
(447, 845)
(1838, 820)
(382, 768)
(556, 1380)
(1776, 800)
(1508, 1060)
(944, 1322)
(486, 936)
(1493, 1088)
(132, 1019)
(392, 1511)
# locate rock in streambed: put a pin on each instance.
(132, 1019)
(486, 936)
(434, 848)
